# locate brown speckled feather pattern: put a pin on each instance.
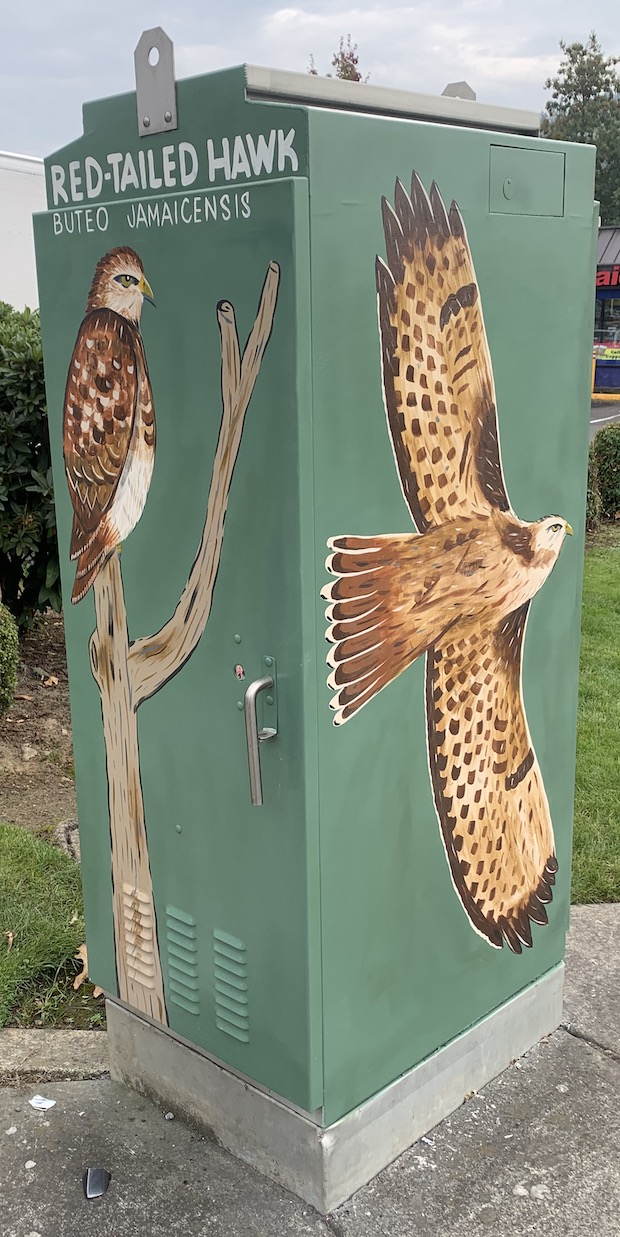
(487, 784)
(108, 438)
(459, 589)
(437, 376)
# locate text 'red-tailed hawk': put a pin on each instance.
(458, 590)
(109, 419)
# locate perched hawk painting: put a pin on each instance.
(109, 419)
(459, 589)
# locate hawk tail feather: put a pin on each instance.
(81, 539)
(89, 565)
(377, 626)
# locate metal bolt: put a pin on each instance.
(269, 699)
(179, 828)
(269, 661)
(240, 705)
(237, 639)
(147, 122)
(167, 117)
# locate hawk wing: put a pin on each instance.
(99, 414)
(437, 376)
(487, 783)
(392, 599)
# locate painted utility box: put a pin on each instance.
(324, 700)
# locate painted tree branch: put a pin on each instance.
(153, 661)
(138, 962)
(129, 674)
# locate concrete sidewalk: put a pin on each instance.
(538, 1151)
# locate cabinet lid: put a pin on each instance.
(314, 91)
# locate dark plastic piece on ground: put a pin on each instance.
(96, 1182)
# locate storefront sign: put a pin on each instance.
(607, 276)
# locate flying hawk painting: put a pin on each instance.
(109, 419)
(459, 589)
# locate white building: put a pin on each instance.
(22, 191)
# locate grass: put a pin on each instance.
(596, 851)
(41, 927)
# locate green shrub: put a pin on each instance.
(594, 505)
(29, 572)
(9, 658)
(607, 453)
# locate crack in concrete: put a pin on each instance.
(333, 1225)
(586, 1039)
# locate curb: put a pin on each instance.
(51, 1056)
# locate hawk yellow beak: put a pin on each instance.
(568, 528)
(146, 289)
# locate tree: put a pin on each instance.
(345, 61)
(585, 107)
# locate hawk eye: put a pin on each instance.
(126, 281)
(555, 528)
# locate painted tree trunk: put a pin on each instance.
(135, 930)
(127, 675)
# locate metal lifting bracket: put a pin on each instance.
(156, 92)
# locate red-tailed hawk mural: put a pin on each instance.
(459, 589)
(109, 419)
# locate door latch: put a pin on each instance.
(255, 736)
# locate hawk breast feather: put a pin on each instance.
(103, 392)
(459, 590)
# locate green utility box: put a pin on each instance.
(324, 698)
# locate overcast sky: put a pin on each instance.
(53, 56)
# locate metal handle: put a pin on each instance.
(254, 736)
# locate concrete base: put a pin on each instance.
(325, 1166)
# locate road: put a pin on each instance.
(603, 413)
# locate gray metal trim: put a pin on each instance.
(325, 1166)
(156, 94)
(312, 91)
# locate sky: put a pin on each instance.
(54, 56)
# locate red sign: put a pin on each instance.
(607, 276)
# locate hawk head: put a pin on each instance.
(119, 283)
(549, 534)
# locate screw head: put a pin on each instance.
(269, 661)
(167, 117)
(269, 699)
(237, 639)
(179, 828)
(146, 121)
(240, 705)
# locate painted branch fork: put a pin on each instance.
(127, 673)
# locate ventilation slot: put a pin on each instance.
(230, 971)
(182, 952)
(138, 932)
